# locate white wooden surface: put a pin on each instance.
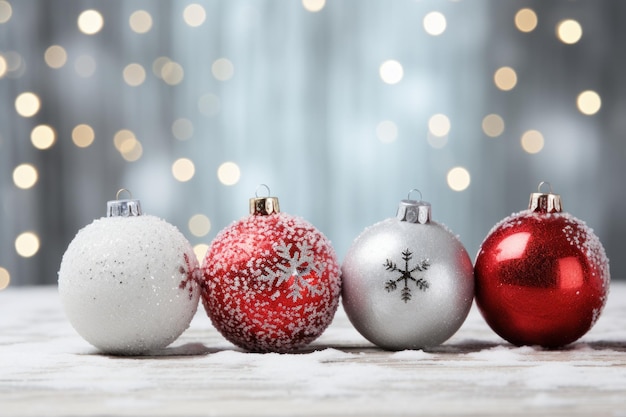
(46, 369)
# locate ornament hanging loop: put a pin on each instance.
(264, 206)
(413, 211)
(541, 184)
(408, 197)
(256, 192)
(122, 190)
(541, 202)
(123, 208)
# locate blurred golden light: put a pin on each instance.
(435, 23)
(121, 136)
(182, 129)
(532, 141)
(222, 69)
(569, 31)
(505, 78)
(172, 73)
(493, 125)
(183, 169)
(83, 136)
(43, 137)
(458, 178)
(14, 63)
(436, 142)
(6, 11)
(200, 250)
(199, 225)
(387, 131)
(589, 102)
(526, 20)
(158, 64)
(90, 22)
(439, 125)
(85, 66)
(4, 66)
(25, 176)
(5, 277)
(27, 244)
(391, 71)
(228, 173)
(194, 15)
(209, 104)
(55, 56)
(140, 21)
(134, 74)
(131, 149)
(27, 104)
(313, 5)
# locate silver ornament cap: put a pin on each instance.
(413, 211)
(545, 202)
(264, 206)
(125, 207)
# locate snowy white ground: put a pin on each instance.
(46, 369)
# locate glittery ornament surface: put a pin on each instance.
(407, 285)
(541, 279)
(271, 283)
(129, 284)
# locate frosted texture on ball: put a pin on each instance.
(272, 283)
(129, 284)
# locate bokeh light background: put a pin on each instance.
(340, 107)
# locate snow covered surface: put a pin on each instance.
(46, 369)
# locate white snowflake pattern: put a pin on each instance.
(295, 268)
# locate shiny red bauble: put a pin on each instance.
(542, 276)
(271, 280)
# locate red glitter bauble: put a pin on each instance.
(542, 276)
(271, 282)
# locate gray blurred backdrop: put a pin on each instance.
(340, 107)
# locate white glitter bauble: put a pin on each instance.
(128, 283)
(407, 282)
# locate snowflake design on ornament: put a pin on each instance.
(293, 269)
(406, 275)
(191, 275)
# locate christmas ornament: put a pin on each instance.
(129, 282)
(407, 281)
(542, 276)
(271, 280)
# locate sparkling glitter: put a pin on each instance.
(278, 314)
(129, 284)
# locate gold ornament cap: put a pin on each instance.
(545, 202)
(123, 208)
(414, 211)
(264, 206)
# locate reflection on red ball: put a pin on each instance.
(541, 279)
(271, 283)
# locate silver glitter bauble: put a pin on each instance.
(129, 282)
(407, 282)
